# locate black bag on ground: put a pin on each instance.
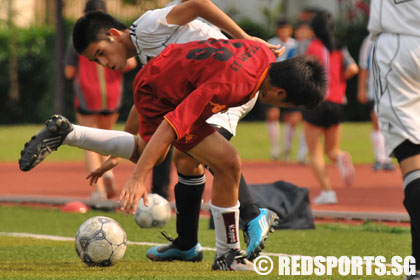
(290, 202)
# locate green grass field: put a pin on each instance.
(251, 141)
(29, 258)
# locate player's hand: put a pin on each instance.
(110, 163)
(130, 195)
(278, 50)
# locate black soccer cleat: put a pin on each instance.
(233, 260)
(44, 142)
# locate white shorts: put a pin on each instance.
(230, 119)
(396, 73)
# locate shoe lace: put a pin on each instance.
(166, 235)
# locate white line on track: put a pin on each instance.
(63, 238)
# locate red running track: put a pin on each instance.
(372, 191)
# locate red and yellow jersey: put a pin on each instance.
(187, 83)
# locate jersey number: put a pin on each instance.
(221, 53)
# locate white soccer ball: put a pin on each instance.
(100, 241)
(157, 214)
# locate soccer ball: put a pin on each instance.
(100, 241)
(157, 214)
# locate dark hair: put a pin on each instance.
(303, 78)
(89, 27)
(282, 22)
(323, 26)
(95, 5)
(300, 23)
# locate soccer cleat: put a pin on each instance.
(44, 142)
(326, 197)
(170, 252)
(257, 231)
(388, 166)
(346, 168)
(233, 260)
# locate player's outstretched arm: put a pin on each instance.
(155, 151)
(189, 10)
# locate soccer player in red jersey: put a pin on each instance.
(174, 94)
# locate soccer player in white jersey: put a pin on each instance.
(395, 31)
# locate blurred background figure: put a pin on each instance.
(365, 95)
(324, 120)
(290, 116)
(284, 31)
(97, 98)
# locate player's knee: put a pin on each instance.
(230, 166)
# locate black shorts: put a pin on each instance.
(405, 150)
(82, 111)
(324, 115)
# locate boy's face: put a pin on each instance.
(109, 52)
(284, 32)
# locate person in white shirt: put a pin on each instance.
(395, 31)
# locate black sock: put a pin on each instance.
(161, 174)
(411, 203)
(248, 208)
(188, 194)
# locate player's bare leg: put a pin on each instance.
(313, 135)
(223, 159)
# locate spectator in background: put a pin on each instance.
(293, 116)
(324, 120)
(97, 97)
(365, 95)
(283, 37)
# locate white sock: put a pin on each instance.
(273, 128)
(103, 141)
(303, 148)
(226, 225)
(289, 133)
(378, 142)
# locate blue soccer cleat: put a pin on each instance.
(170, 252)
(257, 232)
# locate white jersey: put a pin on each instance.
(151, 34)
(396, 69)
(395, 16)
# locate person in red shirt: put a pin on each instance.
(174, 94)
(324, 120)
(97, 98)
